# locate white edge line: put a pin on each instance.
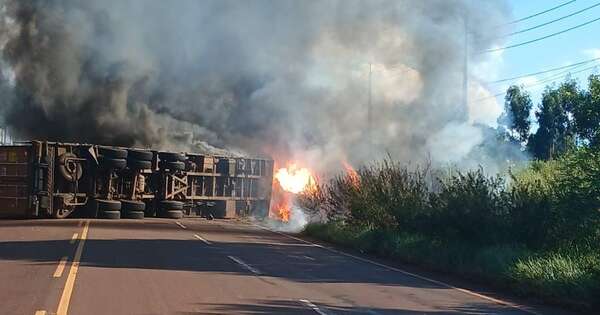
(60, 267)
(202, 239)
(180, 225)
(243, 264)
(312, 306)
(466, 291)
(74, 238)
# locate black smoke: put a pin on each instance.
(275, 76)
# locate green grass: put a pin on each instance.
(558, 277)
(535, 232)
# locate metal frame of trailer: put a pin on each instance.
(53, 179)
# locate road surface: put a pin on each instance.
(194, 266)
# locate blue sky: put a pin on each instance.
(573, 46)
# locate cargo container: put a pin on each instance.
(52, 179)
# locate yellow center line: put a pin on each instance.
(60, 267)
(63, 305)
(40, 312)
(74, 238)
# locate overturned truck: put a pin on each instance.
(58, 180)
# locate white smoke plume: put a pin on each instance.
(283, 77)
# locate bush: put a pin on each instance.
(512, 231)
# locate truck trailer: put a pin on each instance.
(42, 179)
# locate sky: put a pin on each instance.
(567, 48)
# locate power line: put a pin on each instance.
(541, 38)
(546, 80)
(540, 13)
(553, 78)
(553, 21)
(545, 71)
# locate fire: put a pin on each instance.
(294, 179)
(352, 174)
(289, 181)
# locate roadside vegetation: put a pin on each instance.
(534, 230)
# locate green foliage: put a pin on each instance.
(517, 106)
(556, 133)
(586, 113)
(511, 231)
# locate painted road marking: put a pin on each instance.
(40, 312)
(63, 305)
(313, 307)
(245, 265)
(285, 244)
(440, 283)
(61, 267)
(74, 238)
(202, 239)
(308, 257)
(180, 225)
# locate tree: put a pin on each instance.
(586, 114)
(556, 132)
(515, 118)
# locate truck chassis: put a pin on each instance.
(53, 179)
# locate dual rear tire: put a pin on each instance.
(132, 209)
(170, 209)
(113, 209)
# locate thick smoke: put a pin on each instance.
(280, 77)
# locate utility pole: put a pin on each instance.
(370, 110)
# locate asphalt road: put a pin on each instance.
(194, 266)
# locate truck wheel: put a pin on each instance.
(139, 164)
(171, 156)
(108, 205)
(172, 214)
(133, 214)
(132, 205)
(111, 163)
(113, 153)
(113, 215)
(70, 170)
(140, 155)
(171, 166)
(170, 205)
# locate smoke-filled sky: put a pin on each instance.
(286, 78)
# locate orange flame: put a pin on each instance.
(294, 179)
(290, 180)
(352, 174)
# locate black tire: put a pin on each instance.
(113, 215)
(133, 214)
(140, 155)
(113, 153)
(171, 166)
(70, 170)
(170, 205)
(172, 214)
(139, 164)
(132, 205)
(110, 163)
(171, 156)
(108, 205)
